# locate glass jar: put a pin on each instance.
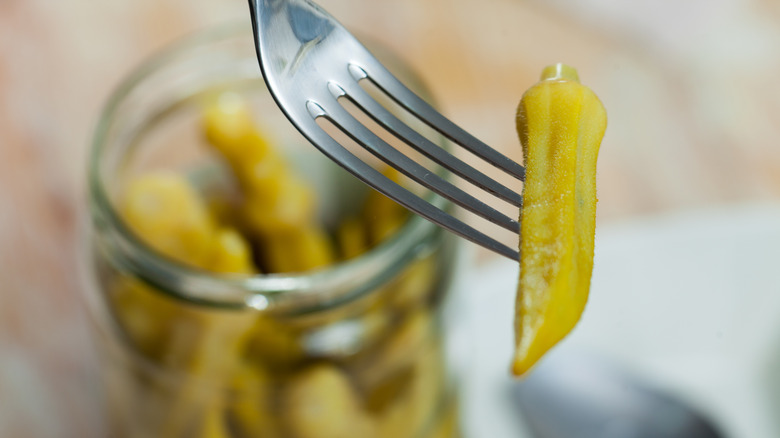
(356, 349)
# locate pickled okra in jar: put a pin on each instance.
(342, 339)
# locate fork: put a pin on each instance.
(309, 61)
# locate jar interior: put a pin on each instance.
(158, 108)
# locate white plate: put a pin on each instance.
(690, 301)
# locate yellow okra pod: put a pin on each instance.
(560, 123)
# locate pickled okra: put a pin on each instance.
(320, 402)
(167, 212)
(560, 123)
(278, 206)
(164, 210)
(248, 374)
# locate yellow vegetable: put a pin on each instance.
(415, 284)
(231, 253)
(250, 410)
(405, 344)
(228, 124)
(306, 249)
(273, 344)
(352, 238)
(275, 198)
(164, 210)
(420, 400)
(243, 373)
(286, 205)
(144, 314)
(167, 213)
(560, 123)
(214, 425)
(320, 402)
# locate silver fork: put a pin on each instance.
(309, 61)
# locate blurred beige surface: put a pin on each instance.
(691, 91)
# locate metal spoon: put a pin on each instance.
(576, 395)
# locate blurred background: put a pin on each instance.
(691, 89)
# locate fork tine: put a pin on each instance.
(317, 136)
(396, 90)
(385, 118)
(340, 117)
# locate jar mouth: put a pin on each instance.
(285, 292)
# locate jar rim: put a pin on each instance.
(290, 292)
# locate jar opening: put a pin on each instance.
(162, 85)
